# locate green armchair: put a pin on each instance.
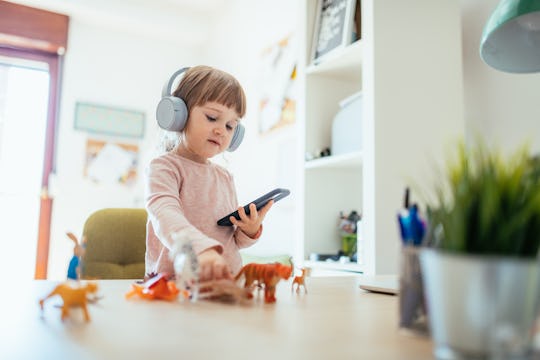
(115, 244)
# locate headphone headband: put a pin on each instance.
(167, 91)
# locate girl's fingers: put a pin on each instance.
(266, 208)
(206, 273)
(242, 212)
(218, 271)
(252, 211)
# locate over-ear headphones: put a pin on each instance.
(172, 113)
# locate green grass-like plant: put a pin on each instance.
(487, 204)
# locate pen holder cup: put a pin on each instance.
(412, 305)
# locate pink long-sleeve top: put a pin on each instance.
(182, 194)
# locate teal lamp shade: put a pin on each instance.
(511, 37)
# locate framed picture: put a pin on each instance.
(337, 24)
(100, 119)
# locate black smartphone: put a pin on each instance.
(276, 195)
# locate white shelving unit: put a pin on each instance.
(407, 65)
(332, 184)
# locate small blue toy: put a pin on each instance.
(74, 268)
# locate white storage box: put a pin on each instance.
(347, 126)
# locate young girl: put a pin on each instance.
(187, 192)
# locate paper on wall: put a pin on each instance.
(110, 164)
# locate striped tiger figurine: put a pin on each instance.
(266, 275)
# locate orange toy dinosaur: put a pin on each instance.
(265, 274)
(300, 280)
(72, 297)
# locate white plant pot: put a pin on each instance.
(480, 306)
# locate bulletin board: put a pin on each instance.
(111, 162)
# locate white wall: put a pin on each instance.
(501, 106)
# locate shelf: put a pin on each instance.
(340, 63)
(334, 265)
(337, 180)
(350, 160)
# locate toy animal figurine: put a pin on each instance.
(267, 275)
(72, 297)
(74, 267)
(300, 280)
(158, 287)
(224, 290)
(185, 262)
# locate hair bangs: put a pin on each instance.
(227, 92)
(202, 84)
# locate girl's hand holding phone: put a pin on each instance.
(251, 223)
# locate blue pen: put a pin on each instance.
(402, 230)
(411, 226)
(403, 219)
(406, 198)
(416, 226)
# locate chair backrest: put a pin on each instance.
(115, 244)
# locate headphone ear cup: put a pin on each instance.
(237, 137)
(172, 113)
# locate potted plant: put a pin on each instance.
(480, 268)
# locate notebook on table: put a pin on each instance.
(386, 284)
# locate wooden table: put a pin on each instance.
(335, 320)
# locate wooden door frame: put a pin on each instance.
(54, 62)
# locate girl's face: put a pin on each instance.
(209, 130)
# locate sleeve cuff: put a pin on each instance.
(257, 234)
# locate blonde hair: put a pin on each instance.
(201, 84)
